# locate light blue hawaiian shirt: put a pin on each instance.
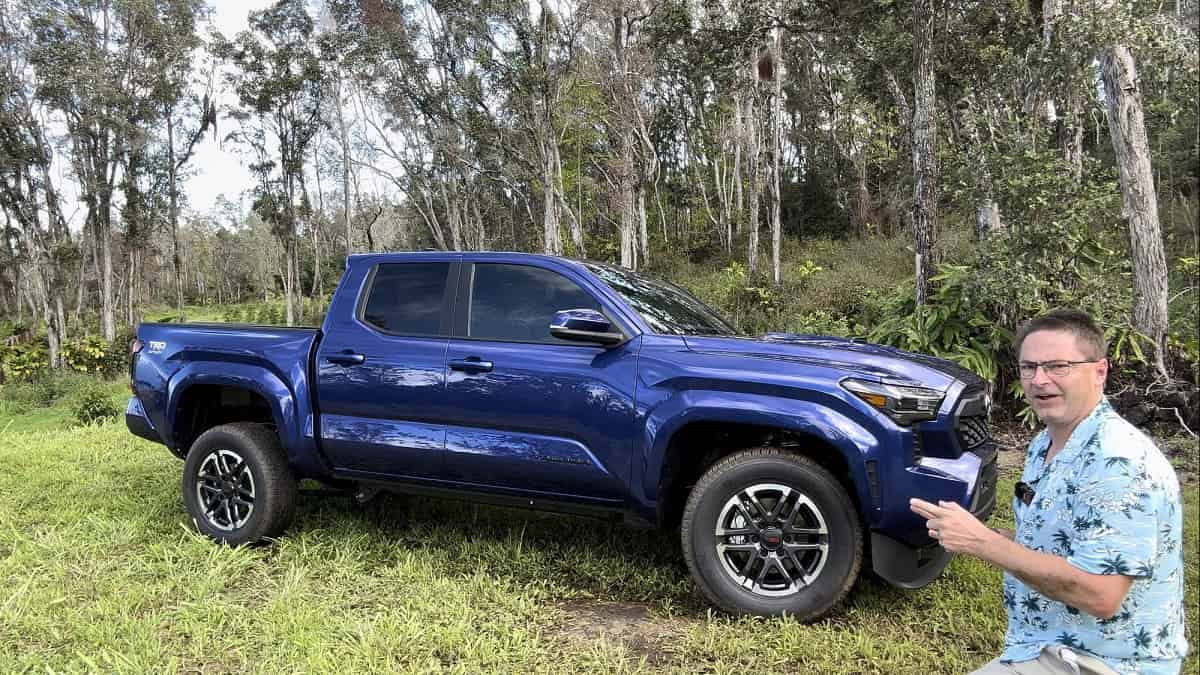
(1109, 504)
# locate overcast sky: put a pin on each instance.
(219, 170)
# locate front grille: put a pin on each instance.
(972, 431)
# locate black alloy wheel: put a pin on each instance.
(237, 486)
(770, 532)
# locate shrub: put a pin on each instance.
(821, 322)
(86, 354)
(94, 355)
(24, 362)
(93, 403)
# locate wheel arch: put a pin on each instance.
(199, 400)
(689, 443)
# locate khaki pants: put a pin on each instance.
(1054, 660)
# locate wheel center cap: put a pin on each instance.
(772, 537)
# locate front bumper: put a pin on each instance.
(917, 563)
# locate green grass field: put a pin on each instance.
(100, 572)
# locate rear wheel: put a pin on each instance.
(237, 485)
(769, 532)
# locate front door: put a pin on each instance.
(530, 412)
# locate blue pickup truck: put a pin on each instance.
(783, 461)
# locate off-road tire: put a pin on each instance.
(272, 485)
(716, 495)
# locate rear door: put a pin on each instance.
(381, 370)
(530, 412)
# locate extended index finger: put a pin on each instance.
(924, 508)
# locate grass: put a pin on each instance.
(101, 573)
(49, 404)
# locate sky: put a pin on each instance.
(219, 170)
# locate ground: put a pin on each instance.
(101, 572)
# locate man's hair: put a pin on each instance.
(1077, 323)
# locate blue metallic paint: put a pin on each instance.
(567, 422)
(525, 423)
(271, 362)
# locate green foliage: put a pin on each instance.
(952, 326)
(94, 355)
(821, 322)
(274, 312)
(24, 361)
(46, 389)
(86, 355)
(93, 403)
(1065, 248)
(1183, 340)
(751, 304)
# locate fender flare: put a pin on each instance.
(819, 419)
(255, 378)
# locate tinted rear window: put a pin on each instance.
(406, 298)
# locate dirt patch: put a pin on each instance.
(630, 624)
(1012, 441)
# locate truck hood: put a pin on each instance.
(855, 358)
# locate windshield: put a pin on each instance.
(666, 307)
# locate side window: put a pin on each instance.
(406, 298)
(516, 302)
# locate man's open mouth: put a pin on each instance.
(1046, 397)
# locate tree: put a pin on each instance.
(1127, 129)
(633, 159)
(35, 230)
(279, 83)
(924, 146)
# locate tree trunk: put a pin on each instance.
(739, 199)
(754, 159)
(577, 241)
(643, 235)
(551, 238)
(987, 213)
(344, 137)
(626, 198)
(108, 325)
(924, 147)
(173, 190)
(1127, 128)
(776, 158)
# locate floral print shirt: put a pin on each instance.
(1109, 503)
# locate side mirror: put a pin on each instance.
(584, 325)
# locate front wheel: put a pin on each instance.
(237, 485)
(770, 532)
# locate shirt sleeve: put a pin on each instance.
(1115, 514)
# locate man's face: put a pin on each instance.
(1062, 400)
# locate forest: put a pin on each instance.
(925, 174)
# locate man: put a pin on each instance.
(1093, 578)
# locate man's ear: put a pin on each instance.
(1102, 370)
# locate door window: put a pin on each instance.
(408, 298)
(517, 302)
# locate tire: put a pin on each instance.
(237, 486)
(798, 558)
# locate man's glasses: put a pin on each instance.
(1052, 368)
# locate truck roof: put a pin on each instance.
(498, 256)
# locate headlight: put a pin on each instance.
(904, 405)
